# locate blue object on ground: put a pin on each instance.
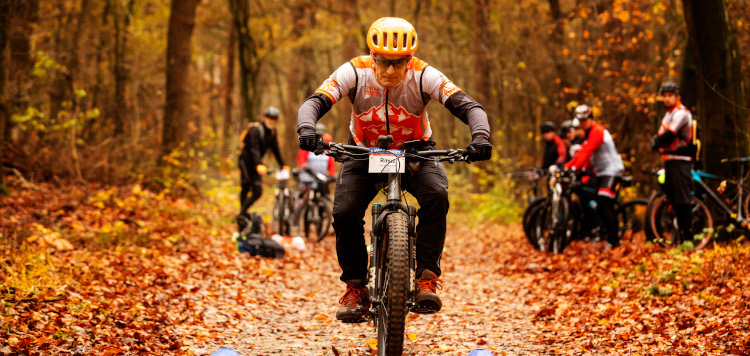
(225, 352)
(480, 352)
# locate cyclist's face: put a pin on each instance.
(669, 99)
(548, 136)
(586, 124)
(270, 123)
(390, 69)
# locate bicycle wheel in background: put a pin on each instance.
(663, 222)
(549, 226)
(631, 217)
(529, 214)
(394, 288)
(316, 219)
(282, 212)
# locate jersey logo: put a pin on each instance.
(448, 88)
(372, 91)
(329, 85)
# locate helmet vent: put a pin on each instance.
(403, 42)
(385, 39)
(395, 40)
(375, 39)
(413, 42)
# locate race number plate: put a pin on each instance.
(386, 161)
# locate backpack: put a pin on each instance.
(246, 131)
(252, 241)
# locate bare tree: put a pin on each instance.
(721, 95)
(176, 112)
(4, 21)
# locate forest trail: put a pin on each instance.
(295, 311)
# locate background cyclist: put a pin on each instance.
(599, 148)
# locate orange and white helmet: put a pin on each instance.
(392, 35)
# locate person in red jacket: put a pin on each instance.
(599, 149)
(555, 151)
(318, 163)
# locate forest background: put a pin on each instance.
(157, 92)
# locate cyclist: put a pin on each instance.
(570, 138)
(672, 142)
(255, 140)
(554, 147)
(599, 148)
(389, 90)
(319, 163)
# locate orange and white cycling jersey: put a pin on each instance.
(399, 111)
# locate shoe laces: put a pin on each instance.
(351, 296)
(430, 285)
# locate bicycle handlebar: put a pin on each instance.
(351, 152)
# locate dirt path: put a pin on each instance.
(292, 312)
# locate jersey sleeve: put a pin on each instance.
(437, 85)
(338, 85)
(679, 120)
(595, 139)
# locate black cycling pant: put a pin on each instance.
(250, 182)
(678, 186)
(356, 189)
(605, 201)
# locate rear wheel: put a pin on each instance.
(549, 228)
(317, 218)
(394, 287)
(663, 223)
(282, 215)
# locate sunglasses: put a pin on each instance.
(396, 63)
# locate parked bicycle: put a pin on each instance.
(533, 196)
(391, 272)
(730, 204)
(283, 208)
(312, 207)
(552, 223)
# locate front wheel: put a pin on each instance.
(316, 218)
(663, 223)
(394, 287)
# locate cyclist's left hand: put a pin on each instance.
(480, 149)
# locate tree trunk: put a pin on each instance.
(4, 115)
(176, 111)
(480, 58)
(248, 55)
(228, 132)
(721, 97)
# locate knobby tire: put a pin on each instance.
(392, 313)
(662, 222)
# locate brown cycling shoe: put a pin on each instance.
(426, 298)
(355, 304)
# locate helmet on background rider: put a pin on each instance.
(583, 112)
(392, 35)
(565, 127)
(271, 112)
(669, 87)
(547, 126)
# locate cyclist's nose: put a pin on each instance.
(391, 69)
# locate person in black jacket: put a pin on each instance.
(255, 140)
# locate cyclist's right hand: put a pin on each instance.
(308, 139)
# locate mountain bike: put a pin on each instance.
(559, 219)
(533, 198)
(391, 272)
(283, 207)
(730, 204)
(312, 207)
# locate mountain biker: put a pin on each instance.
(555, 151)
(672, 142)
(389, 90)
(599, 148)
(319, 163)
(255, 140)
(570, 138)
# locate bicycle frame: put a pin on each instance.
(698, 179)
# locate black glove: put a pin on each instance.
(480, 149)
(308, 139)
(654, 143)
